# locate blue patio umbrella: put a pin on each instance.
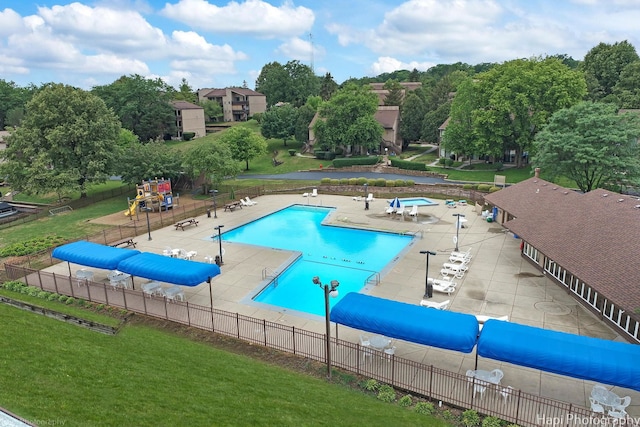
(395, 203)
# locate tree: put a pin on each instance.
(591, 144)
(12, 101)
(212, 160)
(279, 122)
(412, 117)
(328, 87)
(212, 110)
(145, 161)
(244, 143)
(395, 93)
(432, 122)
(627, 90)
(142, 105)
(603, 65)
(344, 110)
(185, 93)
(516, 99)
(459, 135)
(294, 83)
(306, 113)
(65, 142)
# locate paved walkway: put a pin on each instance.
(499, 282)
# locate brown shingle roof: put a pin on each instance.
(387, 116)
(595, 235)
(184, 105)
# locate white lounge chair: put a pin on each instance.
(370, 197)
(445, 272)
(401, 210)
(444, 305)
(249, 201)
(455, 266)
(390, 210)
(459, 254)
(244, 203)
(414, 211)
(462, 260)
(440, 286)
(596, 407)
(314, 193)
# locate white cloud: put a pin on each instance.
(301, 50)
(10, 22)
(252, 17)
(386, 64)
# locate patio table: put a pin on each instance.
(379, 342)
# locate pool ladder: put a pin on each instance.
(268, 273)
(375, 278)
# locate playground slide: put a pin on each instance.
(132, 211)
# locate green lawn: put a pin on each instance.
(147, 377)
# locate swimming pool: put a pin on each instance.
(419, 201)
(347, 255)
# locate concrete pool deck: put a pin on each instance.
(499, 281)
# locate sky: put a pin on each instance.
(215, 44)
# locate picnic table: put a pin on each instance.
(186, 222)
(126, 242)
(232, 205)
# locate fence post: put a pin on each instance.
(55, 283)
(264, 331)
(293, 332)
(238, 325)
(188, 315)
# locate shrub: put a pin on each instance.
(371, 385)
(43, 295)
(448, 162)
(425, 408)
(344, 181)
(499, 166)
(484, 187)
(492, 422)
(354, 161)
(441, 160)
(70, 300)
(80, 302)
(390, 183)
(52, 297)
(335, 181)
(470, 418)
(386, 393)
(409, 183)
(32, 291)
(493, 189)
(100, 307)
(380, 182)
(325, 181)
(188, 136)
(62, 298)
(405, 401)
(447, 415)
(292, 152)
(400, 183)
(353, 181)
(467, 187)
(30, 246)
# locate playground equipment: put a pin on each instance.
(153, 194)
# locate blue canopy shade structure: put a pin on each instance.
(576, 356)
(93, 254)
(413, 323)
(169, 270)
(395, 203)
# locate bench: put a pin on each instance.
(126, 242)
(184, 223)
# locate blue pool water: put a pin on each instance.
(347, 255)
(420, 201)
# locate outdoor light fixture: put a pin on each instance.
(329, 289)
(213, 193)
(146, 210)
(219, 227)
(457, 227)
(428, 287)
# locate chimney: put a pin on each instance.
(537, 172)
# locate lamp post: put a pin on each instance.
(213, 193)
(219, 227)
(428, 287)
(329, 289)
(457, 227)
(366, 200)
(146, 210)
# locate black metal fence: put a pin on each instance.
(416, 378)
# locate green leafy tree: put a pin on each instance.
(414, 76)
(603, 65)
(411, 117)
(516, 99)
(344, 110)
(293, 82)
(627, 90)
(591, 144)
(459, 134)
(279, 122)
(14, 117)
(65, 142)
(142, 105)
(432, 122)
(12, 102)
(145, 161)
(212, 110)
(185, 93)
(394, 94)
(328, 87)
(244, 143)
(213, 161)
(305, 116)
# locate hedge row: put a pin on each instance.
(404, 164)
(354, 161)
(377, 182)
